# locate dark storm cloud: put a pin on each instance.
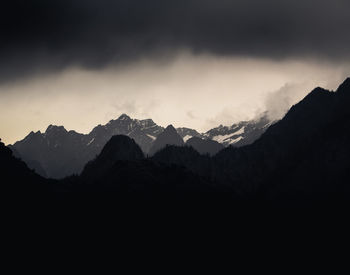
(40, 36)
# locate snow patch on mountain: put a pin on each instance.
(233, 141)
(91, 141)
(239, 132)
(152, 137)
(222, 138)
(187, 137)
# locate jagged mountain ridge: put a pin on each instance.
(57, 153)
(144, 132)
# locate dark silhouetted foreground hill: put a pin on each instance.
(118, 148)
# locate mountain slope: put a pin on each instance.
(168, 137)
(187, 133)
(57, 151)
(205, 146)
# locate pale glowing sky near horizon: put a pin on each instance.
(190, 63)
(196, 91)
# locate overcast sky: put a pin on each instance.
(194, 63)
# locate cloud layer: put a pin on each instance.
(40, 36)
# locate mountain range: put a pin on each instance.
(58, 153)
(302, 159)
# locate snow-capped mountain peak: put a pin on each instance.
(239, 134)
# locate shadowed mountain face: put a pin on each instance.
(168, 137)
(57, 151)
(120, 148)
(345, 88)
(16, 176)
(117, 148)
(32, 164)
